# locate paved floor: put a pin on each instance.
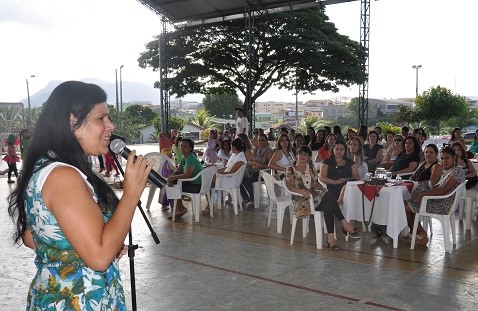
(236, 263)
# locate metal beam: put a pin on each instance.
(364, 48)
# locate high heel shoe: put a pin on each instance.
(334, 247)
(355, 232)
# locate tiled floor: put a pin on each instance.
(236, 263)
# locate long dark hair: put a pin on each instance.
(54, 140)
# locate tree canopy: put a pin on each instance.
(436, 105)
(294, 50)
(221, 105)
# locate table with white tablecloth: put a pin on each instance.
(388, 210)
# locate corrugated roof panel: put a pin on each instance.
(192, 10)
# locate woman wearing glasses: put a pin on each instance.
(302, 178)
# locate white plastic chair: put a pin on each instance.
(206, 175)
(256, 187)
(318, 221)
(160, 160)
(447, 220)
(363, 169)
(471, 199)
(281, 202)
(229, 183)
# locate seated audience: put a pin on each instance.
(372, 151)
(225, 152)
(389, 157)
(262, 156)
(326, 150)
(456, 136)
(355, 146)
(465, 163)
(302, 178)
(474, 145)
(453, 177)
(282, 157)
(408, 160)
(338, 169)
(235, 162)
(429, 171)
(188, 167)
(298, 141)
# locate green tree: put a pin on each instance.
(309, 121)
(202, 119)
(438, 104)
(293, 50)
(140, 115)
(221, 105)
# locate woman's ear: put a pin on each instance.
(73, 120)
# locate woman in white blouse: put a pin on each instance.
(283, 156)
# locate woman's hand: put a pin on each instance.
(171, 180)
(136, 174)
(341, 181)
(418, 197)
(122, 251)
(305, 193)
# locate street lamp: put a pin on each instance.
(29, 119)
(121, 89)
(416, 67)
(116, 88)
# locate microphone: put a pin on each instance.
(118, 147)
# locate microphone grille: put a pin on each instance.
(117, 145)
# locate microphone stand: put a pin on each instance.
(132, 247)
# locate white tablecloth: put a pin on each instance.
(388, 210)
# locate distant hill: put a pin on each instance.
(132, 92)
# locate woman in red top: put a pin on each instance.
(326, 150)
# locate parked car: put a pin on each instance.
(469, 136)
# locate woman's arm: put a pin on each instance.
(181, 175)
(449, 186)
(324, 168)
(234, 168)
(378, 157)
(27, 238)
(289, 177)
(68, 197)
(436, 174)
(412, 166)
(272, 163)
(355, 172)
(358, 160)
(471, 169)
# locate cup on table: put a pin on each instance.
(368, 177)
(398, 179)
(389, 176)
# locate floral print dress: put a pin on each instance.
(304, 180)
(63, 281)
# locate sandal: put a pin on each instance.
(206, 211)
(420, 240)
(334, 247)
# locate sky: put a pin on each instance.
(67, 40)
